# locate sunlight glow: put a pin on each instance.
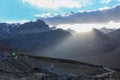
(88, 27)
(77, 27)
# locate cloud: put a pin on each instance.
(54, 4)
(98, 16)
(16, 21)
(106, 1)
(45, 15)
(104, 8)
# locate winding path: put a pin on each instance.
(109, 73)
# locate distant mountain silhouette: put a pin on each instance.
(106, 30)
(70, 30)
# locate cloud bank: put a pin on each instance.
(98, 16)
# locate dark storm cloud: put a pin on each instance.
(98, 16)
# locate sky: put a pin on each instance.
(79, 15)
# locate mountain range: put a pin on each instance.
(37, 38)
(31, 36)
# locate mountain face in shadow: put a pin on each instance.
(115, 35)
(33, 36)
(21, 29)
(33, 27)
(6, 29)
(31, 42)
